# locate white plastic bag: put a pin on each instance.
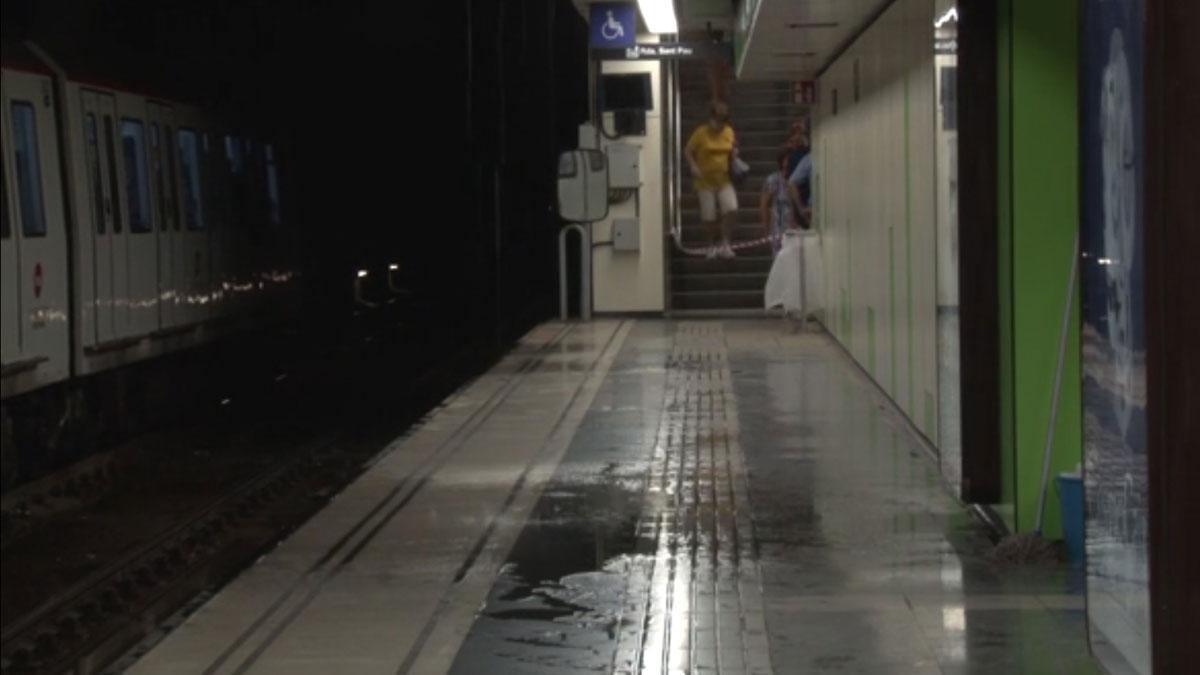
(738, 170)
(794, 281)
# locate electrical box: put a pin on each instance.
(625, 234)
(623, 170)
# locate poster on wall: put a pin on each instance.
(1114, 339)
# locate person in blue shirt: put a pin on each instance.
(797, 144)
(801, 177)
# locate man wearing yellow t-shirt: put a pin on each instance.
(709, 152)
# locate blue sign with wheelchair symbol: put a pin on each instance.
(614, 25)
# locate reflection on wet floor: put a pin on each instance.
(738, 499)
(636, 558)
(643, 497)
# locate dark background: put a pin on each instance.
(396, 120)
(423, 134)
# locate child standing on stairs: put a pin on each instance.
(779, 204)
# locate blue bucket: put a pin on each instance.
(1070, 493)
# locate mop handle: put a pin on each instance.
(1058, 373)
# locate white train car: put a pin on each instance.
(35, 286)
(133, 226)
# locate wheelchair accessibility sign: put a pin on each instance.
(614, 25)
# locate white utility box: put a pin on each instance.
(626, 235)
(623, 166)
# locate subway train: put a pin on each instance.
(134, 225)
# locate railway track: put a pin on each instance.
(87, 625)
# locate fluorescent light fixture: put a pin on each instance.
(393, 267)
(659, 15)
(950, 15)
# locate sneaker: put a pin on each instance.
(726, 252)
(712, 252)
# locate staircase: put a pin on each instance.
(762, 116)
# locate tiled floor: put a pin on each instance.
(650, 497)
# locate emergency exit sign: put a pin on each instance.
(805, 92)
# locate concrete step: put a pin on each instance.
(748, 226)
(761, 167)
(739, 108)
(747, 195)
(696, 237)
(717, 300)
(752, 262)
(692, 283)
(763, 138)
(760, 151)
(764, 154)
(763, 113)
(689, 86)
(741, 125)
(756, 312)
(737, 96)
(750, 188)
(745, 104)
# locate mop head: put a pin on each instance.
(1026, 549)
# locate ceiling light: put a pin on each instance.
(659, 16)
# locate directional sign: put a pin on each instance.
(663, 52)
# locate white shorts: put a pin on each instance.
(727, 197)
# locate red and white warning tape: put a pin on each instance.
(677, 235)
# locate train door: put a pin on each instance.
(220, 230)
(165, 194)
(235, 243)
(109, 254)
(178, 232)
(193, 260)
(10, 274)
(141, 236)
(32, 233)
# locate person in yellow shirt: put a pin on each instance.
(709, 151)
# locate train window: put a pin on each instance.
(212, 195)
(273, 185)
(29, 170)
(160, 185)
(114, 193)
(93, 160)
(5, 226)
(233, 153)
(189, 178)
(233, 175)
(137, 175)
(219, 196)
(173, 195)
(254, 192)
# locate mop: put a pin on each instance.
(1031, 547)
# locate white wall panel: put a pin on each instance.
(876, 205)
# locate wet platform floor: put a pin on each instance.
(644, 497)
